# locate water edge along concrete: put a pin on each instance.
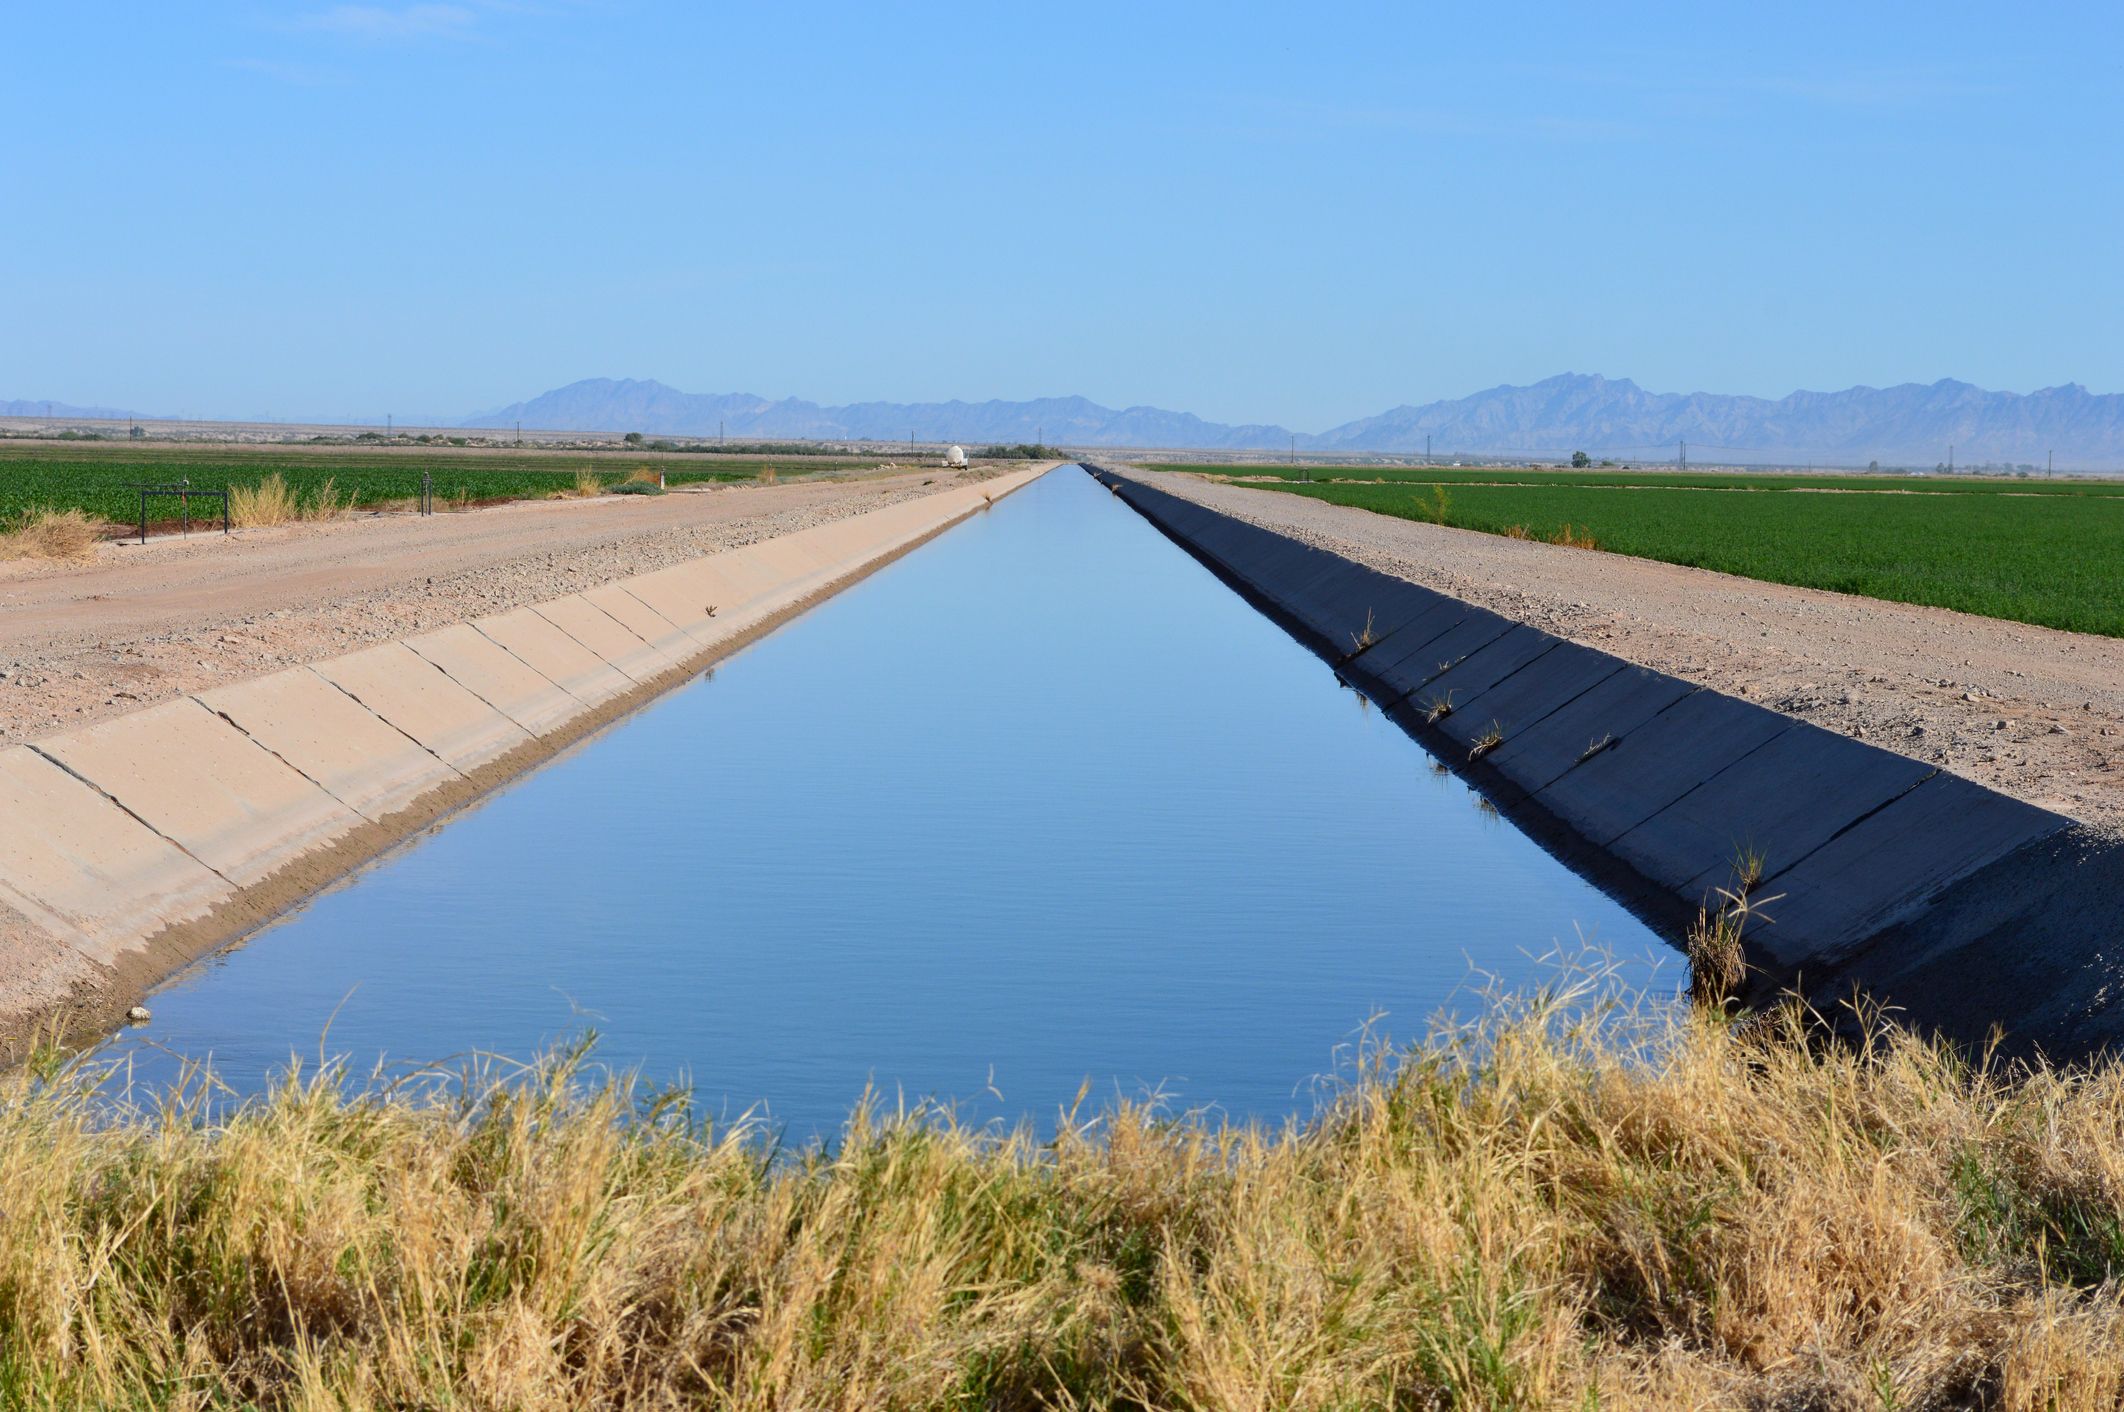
(131, 846)
(1965, 910)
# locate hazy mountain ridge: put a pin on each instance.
(36, 407)
(1912, 423)
(633, 404)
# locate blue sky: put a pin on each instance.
(1250, 212)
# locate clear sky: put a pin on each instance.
(1274, 213)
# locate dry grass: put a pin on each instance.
(767, 476)
(645, 475)
(52, 534)
(273, 502)
(261, 506)
(1359, 641)
(1490, 739)
(1566, 1207)
(1572, 537)
(587, 484)
(326, 503)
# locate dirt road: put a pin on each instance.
(147, 622)
(2029, 711)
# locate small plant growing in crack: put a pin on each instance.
(1489, 740)
(1361, 640)
(1718, 967)
(1437, 709)
(1595, 748)
(1749, 866)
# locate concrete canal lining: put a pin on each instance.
(1965, 908)
(137, 843)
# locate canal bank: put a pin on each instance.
(1866, 870)
(130, 846)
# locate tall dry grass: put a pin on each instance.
(274, 502)
(1558, 1208)
(261, 506)
(52, 534)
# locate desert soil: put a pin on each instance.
(2029, 711)
(143, 623)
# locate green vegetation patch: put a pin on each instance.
(99, 483)
(2047, 559)
(1672, 480)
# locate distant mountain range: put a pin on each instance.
(1911, 424)
(55, 410)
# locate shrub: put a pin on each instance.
(52, 534)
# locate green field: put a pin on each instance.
(1693, 480)
(2054, 558)
(67, 477)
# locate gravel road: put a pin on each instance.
(143, 623)
(2029, 711)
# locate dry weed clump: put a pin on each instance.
(587, 484)
(52, 534)
(1566, 1205)
(274, 502)
(326, 503)
(261, 506)
(1571, 537)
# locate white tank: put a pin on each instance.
(955, 457)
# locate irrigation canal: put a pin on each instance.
(1042, 802)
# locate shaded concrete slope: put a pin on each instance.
(1963, 907)
(131, 845)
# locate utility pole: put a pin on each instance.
(388, 433)
(718, 434)
(1427, 448)
(519, 433)
(1685, 456)
(2050, 465)
(1950, 458)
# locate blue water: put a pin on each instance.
(1041, 802)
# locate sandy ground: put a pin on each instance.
(142, 623)
(2029, 711)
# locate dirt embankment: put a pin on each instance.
(144, 623)
(2028, 711)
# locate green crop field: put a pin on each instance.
(43, 476)
(2053, 559)
(1691, 480)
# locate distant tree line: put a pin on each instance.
(1023, 451)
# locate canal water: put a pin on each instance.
(1043, 802)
